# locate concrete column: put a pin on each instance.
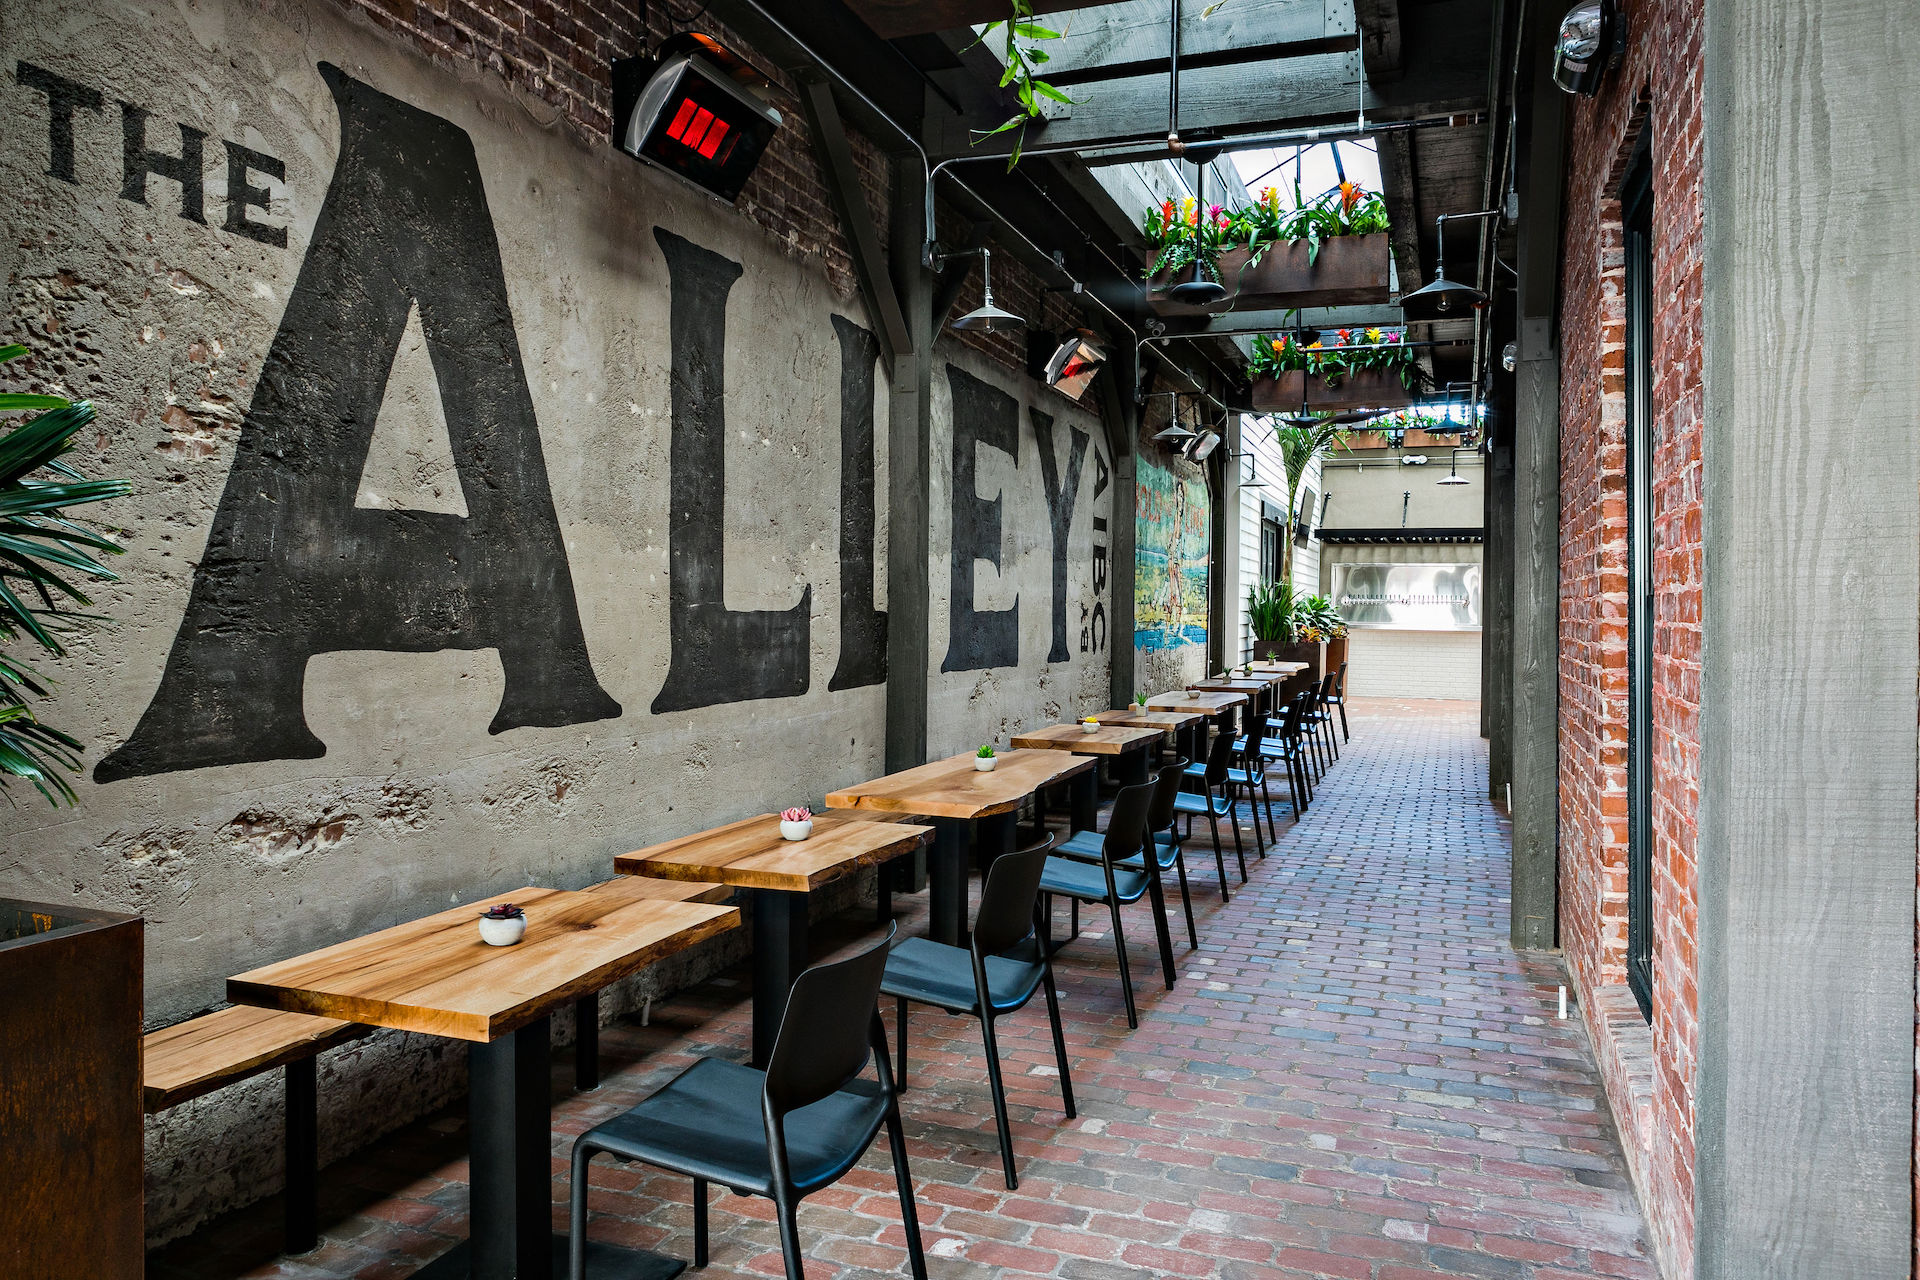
(909, 506)
(1809, 662)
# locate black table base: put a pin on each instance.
(509, 1138)
(779, 956)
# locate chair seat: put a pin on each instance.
(1188, 802)
(1084, 846)
(707, 1124)
(1088, 881)
(936, 974)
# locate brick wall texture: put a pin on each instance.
(1656, 88)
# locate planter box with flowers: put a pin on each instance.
(1330, 251)
(1370, 370)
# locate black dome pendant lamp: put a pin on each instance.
(1199, 291)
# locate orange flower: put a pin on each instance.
(1350, 195)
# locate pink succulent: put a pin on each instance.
(799, 813)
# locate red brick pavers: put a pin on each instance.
(1354, 1077)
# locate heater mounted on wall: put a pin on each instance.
(694, 109)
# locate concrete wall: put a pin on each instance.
(487, 516)
(1369, 490)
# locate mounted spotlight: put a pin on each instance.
(694, 110)
(1072, 367)
(1591, 40)
(1203, 446)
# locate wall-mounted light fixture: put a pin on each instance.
(985, 318)
(1443, 296)
(1073, 365)
(1202, 446)
(695, 110)
(1591, 40)
(1453, 475)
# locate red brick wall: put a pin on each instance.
(1658, 87)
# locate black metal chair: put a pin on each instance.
(783, 1133)
(1169, 850)
(1320, 716)
(1283, 743)
(1005, 962)
(1109, 882)
(1190, 805)
(1339, 699)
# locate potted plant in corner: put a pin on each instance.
(984, 760)
(1322, 623)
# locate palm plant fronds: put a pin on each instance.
(44, 556)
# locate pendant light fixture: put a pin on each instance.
(1444, 297)
(985, 318)
(1199, 291)
(1453, 475)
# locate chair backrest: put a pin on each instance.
(1005, 918)
(1219, 760)
(1166, 792)
(1340, 685)
(1256, 732)
(823, 1040)
(1290, 719)
(1326, 685)
(1127, 823)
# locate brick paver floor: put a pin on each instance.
(1354, 1077)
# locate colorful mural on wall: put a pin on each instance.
(1171, 539)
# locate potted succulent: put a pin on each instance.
(1139, 703)
(796, 823)
(984, 760)
(1090, 724)
(1370, 369)
(503, 924)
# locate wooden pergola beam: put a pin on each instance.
(850, 204)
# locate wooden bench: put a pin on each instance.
(586, 1010)
(209, 1052)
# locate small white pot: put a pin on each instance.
(1089, 728)
(1139, 708)
(985, 763)
(503, 933)
(796, 830)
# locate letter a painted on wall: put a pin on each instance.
(719, 654)
(292, 567)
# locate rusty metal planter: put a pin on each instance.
(1366, 389)
(71, 1186)
(1348, 271)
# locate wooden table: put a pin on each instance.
(1234, 684)
(1126, 746)
(958, 798)
(751, 854)
(436, 976)
(1213, 706)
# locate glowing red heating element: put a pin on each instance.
(696, 127)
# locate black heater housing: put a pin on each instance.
(689, 111)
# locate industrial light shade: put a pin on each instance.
(1453, 475)
(1443, 296)
(1173, 431)
(1587, 45)
(987, 318)
(1197, 292)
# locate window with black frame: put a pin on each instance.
(1636, 215)
(1270, 519)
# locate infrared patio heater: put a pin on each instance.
(695, 109)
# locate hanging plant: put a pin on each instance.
(1353, 351)
(1346, 210)
(1183, 237)
(1019, 73)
